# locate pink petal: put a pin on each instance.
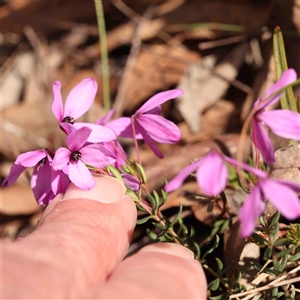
(80, 175)
(178, 180)
(81, 98)
(118, 151)
(99, 133)
(41, 181)
(61, 158)
(262, 141)
(155, 110)
(31, 158)
(97, 156)
(67, 127)
(149, 141)
(131, 181)
(282, 197)
(59, 182)
(57, 105)
(159, 129)
(256, 172)
(212, 174)
(13, 175)
(252, 208)
(158, 99)
(78, 138)
(105, 119)
(287, 77)
(285, 123)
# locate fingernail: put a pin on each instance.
(106, 190)
(171, 249)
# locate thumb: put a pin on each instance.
(82, 235)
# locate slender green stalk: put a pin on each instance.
(104, 54)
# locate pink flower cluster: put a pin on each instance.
(212, 172)
(91, 146)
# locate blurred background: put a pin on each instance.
(218, 51)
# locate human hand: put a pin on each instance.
(77, 251)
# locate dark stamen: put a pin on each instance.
(76, 155)
(69, 120)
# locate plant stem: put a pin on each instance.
(104, 54)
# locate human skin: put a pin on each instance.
(77, 252)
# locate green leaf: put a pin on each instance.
(143, 220)
(268, 253)
(141, 172)
(217, 239)
(287, 99)
(277, 266)
(284, 252)
(295, 257)
(282, 242)
(224, 226)
(220, 264)
(152, 235)
(154, 203)
(197, 251)
(115, 172)
(214, 285)
(260, 240)
(275, 219)
(178, 214)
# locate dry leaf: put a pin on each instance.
(204, 86)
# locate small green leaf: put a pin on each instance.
(214, 285)
(197, 251)
(268, 253)
(152, 235)
(287, 99)
(224, 226)
(277, 266)
(143, 220)
(178, 214)
(284, 252)
(295, 257)
(220, 264)
(115, 172)
(141, 172)
(275, 219)
(282, 242)
(154, 203)
(217, 239)
(259, 240)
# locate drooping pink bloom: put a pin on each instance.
(282, 194)
(148, 124)
(131, 182)
(113, 146)
(46, 182)
(212, 173)
(78, 102)
(78, 154)
(284, 123)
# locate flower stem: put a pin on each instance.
(104, 54)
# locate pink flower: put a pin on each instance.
(80, 153)
(212, 173)
(46, 182)
(78, 102)
(148, 124)
(284, 123)
(282, 194)
(212, 176)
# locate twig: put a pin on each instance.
(266, 287)
(104, 54)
